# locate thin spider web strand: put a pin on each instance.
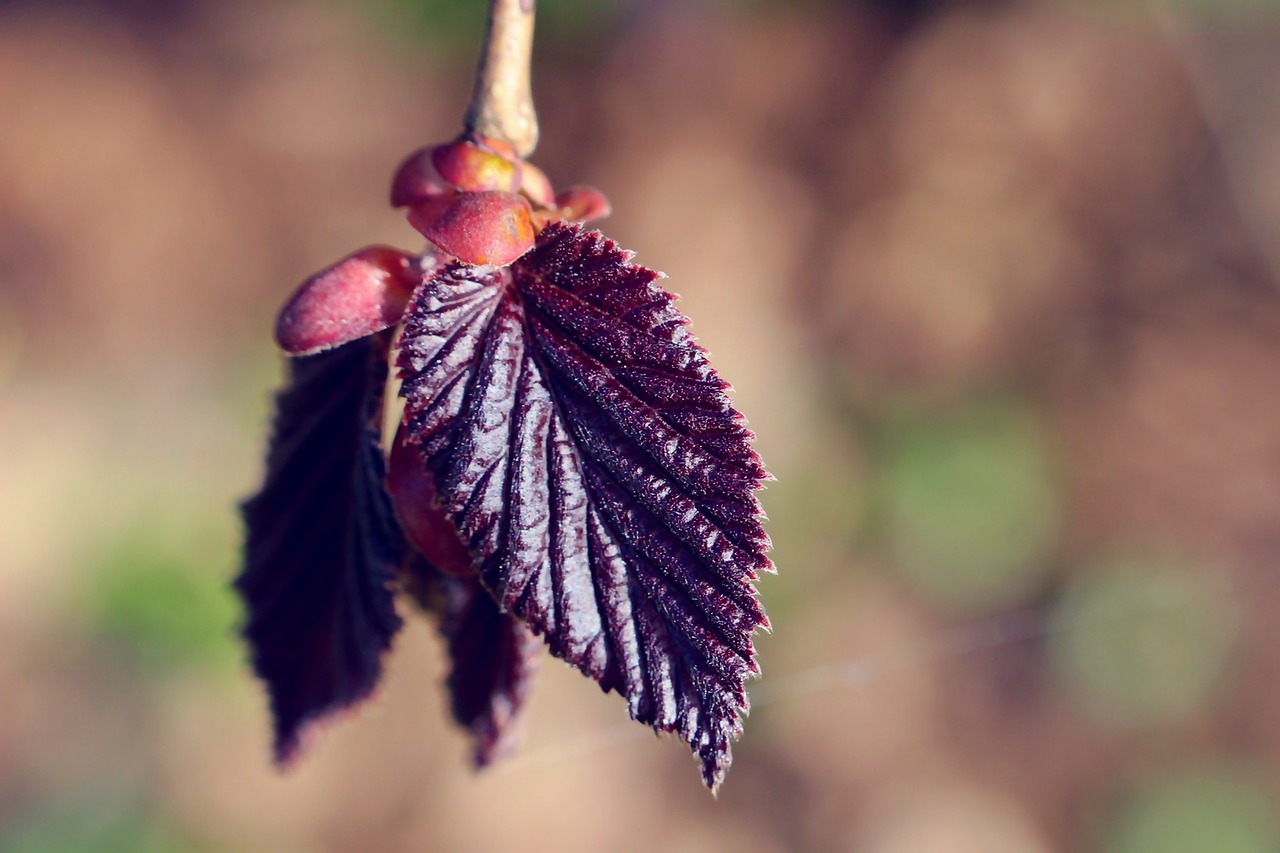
(1004, 630)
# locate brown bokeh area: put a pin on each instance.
(995, 283)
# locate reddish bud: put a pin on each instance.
(583, 204)
(536, 186)
(361, 294)
(471, 168)
(497, 146)
(477, 228)
(417, 180)
(417, 505)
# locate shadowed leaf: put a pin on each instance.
(322, 544)
(493, 658)
(591, 460)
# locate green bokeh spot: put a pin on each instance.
(1231, 11)
(1140, 643)
(457, 25)
(971, 508)
(162, 589)
(82, 825)
(819, 505)
(1200, 812)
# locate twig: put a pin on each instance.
(502, 102)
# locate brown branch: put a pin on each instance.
(502, 102)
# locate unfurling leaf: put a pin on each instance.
(322, 544)
(598, 474)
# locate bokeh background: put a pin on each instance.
(996, 283)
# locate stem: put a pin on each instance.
(502, 102)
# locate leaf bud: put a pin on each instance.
(363, 293)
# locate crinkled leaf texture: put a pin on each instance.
(493, 658)
(322, 545)
(591, 459)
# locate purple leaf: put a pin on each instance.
(591, 460)
(493, 658)
(322, 543)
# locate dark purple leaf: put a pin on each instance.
(493, 658)
(604, 483)
(322, 544)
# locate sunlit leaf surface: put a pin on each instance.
(594, 465)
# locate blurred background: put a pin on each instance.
(996, 283)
